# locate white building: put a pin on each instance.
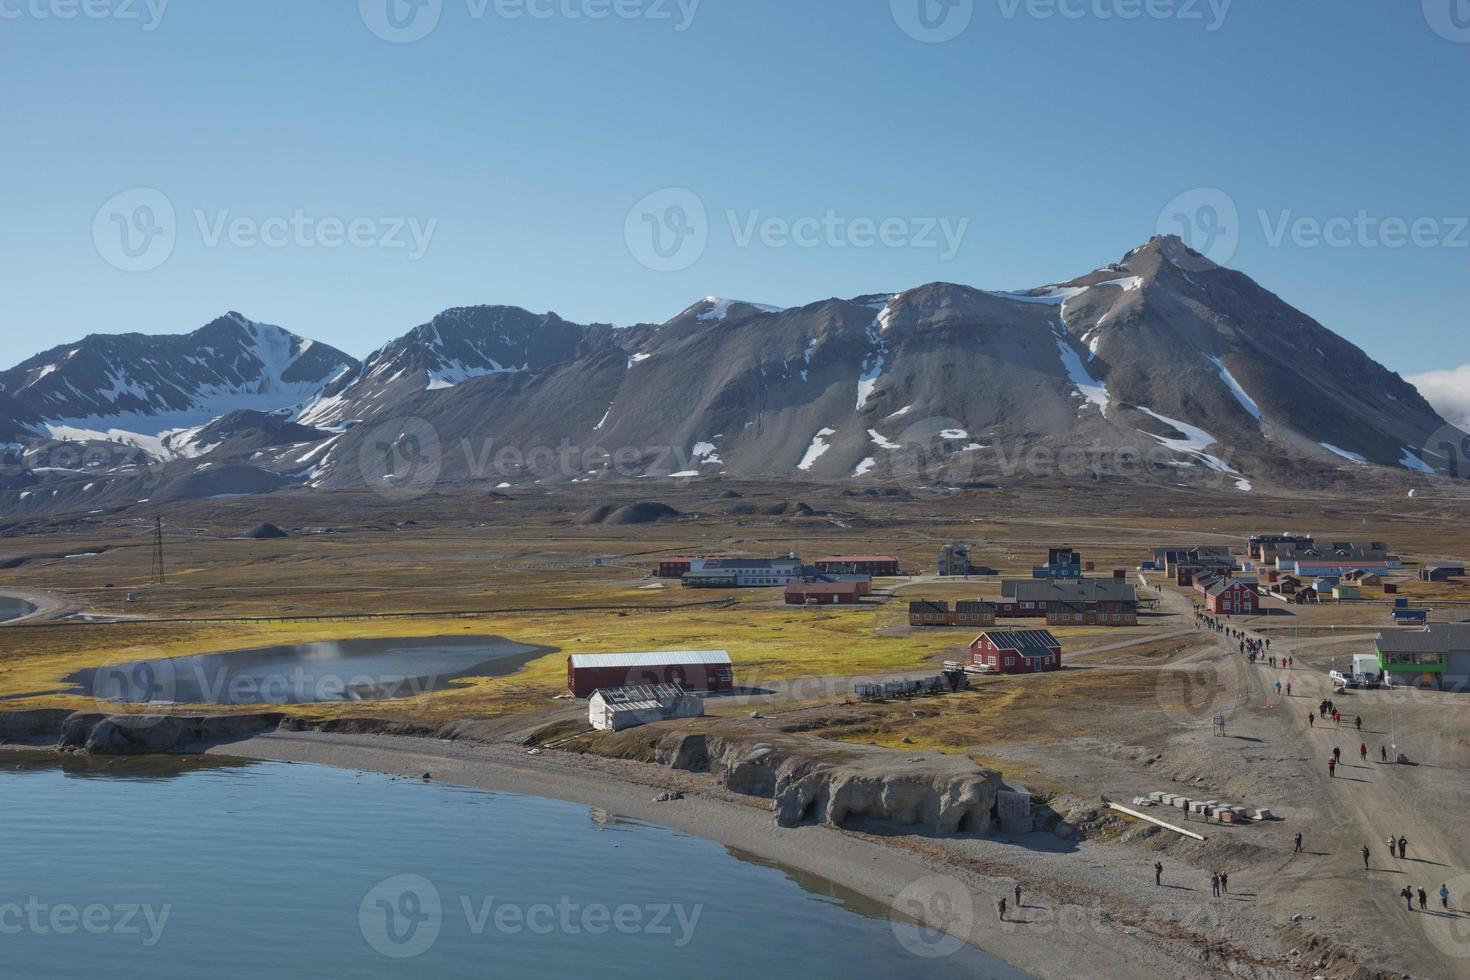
(629, 707)
(742, 573)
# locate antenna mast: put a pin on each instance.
(156, 573)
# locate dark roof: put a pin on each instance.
(1226, 584)
(1029, 642)
(734, 564)
(1439, 638)
(1085, 590)
(928, 605)
(846, 559)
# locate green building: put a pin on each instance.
(1438, 656)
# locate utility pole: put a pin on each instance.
(157, 574)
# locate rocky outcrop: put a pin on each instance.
(29, 726)
(843, 786)
(102, 734)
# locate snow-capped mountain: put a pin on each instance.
(1162, 358)
(456, 346)
(145, 391)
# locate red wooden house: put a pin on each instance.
(1233, 597)
(823, 593)
(1017, 651)
(966, 612)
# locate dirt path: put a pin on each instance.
(49, 605)
(1363, 804)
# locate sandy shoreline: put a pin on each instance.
(878, 871)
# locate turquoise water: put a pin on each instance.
(163, 869)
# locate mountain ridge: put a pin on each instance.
(1178, 367)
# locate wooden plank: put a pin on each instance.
(1160, 823)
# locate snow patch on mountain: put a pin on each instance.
(1409, 461)
(882, 441)
(1246, 401)
(1194, 444)
(816, 450)
(1350, 456)
(1094, 391)
(721, 307)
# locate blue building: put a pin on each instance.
(1060, 563)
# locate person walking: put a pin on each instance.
(1215, 883)
(1393, 845)
(1288, 688)
(1408, 896)
(1158, 873)
(1003, 909)
(1423, 899)
(1018, 895)
(1278, 689)
(1363, 752)
(1298, 848)
(1311, 719)
(1403, 846)
(1331, 766)
(1383, 753)
(1359, 722)
(1366, 854)
(1224, 883)
(1444, 897)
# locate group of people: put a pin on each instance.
(1409, 893)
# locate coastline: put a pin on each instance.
(881, 872)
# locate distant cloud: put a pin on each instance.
(1448, 392)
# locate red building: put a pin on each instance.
(859, 564)
(680, 565)
(1017, 651)
(1232, 597)
(695, 670)
(823, 593)
(928, 612)
(967, 612)
(1091, 614)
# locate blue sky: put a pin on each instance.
(517, 138)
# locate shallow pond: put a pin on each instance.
(341, 670)
(13, 608)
